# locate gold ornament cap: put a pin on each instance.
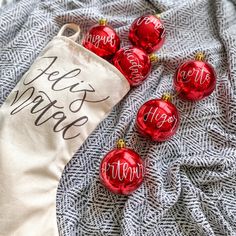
(121, 143)
(158, 16)
(166, 97)
(153, 58)
(102, 21)
(200, 56)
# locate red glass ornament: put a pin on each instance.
(147, 32)
(158, 119)
(134, 64)
(195, 79)
(102, 40)
(122, 170)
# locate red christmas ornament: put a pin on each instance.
(122, 170)
(195, 79)
(102, 40)
(147, 32)
(158, 119)
(134, 64)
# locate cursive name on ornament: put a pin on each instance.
(154, 115)
(135, 65)
(199, 75)
(121, 170)
(97, 39)
(157, 23)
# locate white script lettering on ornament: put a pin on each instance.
(154, 116)
(97, 39)
(199, 75)
(123, 171)
(135, 65)
(147, 20)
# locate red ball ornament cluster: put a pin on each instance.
(194, 80)
(147, 33)
(122, 170)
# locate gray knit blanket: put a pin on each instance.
(190, 185)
